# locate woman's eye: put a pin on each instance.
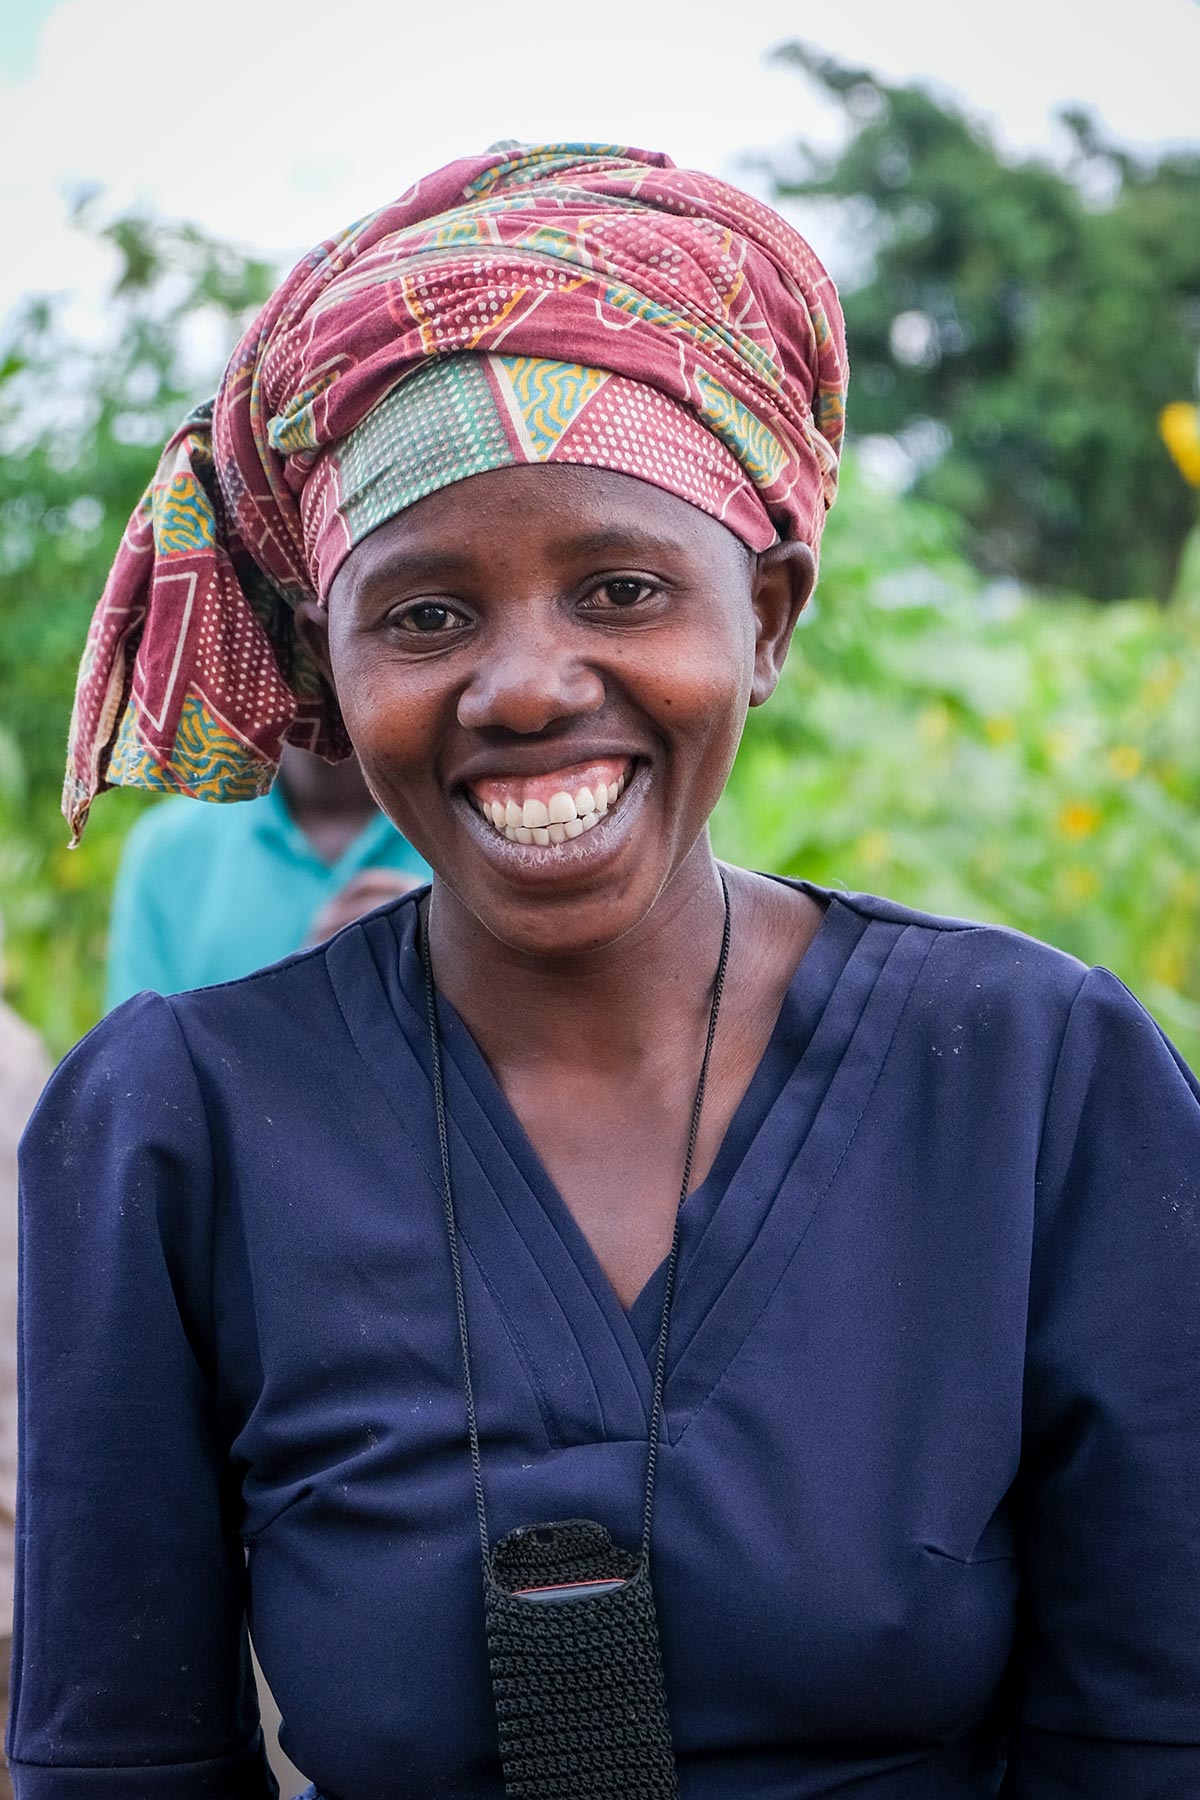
(427, 618)
(621, 591)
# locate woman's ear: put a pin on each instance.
(312, 628)
(782, 581)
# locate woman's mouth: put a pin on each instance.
(553, 808)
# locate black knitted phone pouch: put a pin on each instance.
(578, 1683)
(572, 1633)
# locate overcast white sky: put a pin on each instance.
(276, 121)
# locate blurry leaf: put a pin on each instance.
(1042, 318)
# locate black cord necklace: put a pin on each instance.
(572, 1633)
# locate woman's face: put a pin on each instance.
(545, 672)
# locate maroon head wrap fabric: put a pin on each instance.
(556, 302)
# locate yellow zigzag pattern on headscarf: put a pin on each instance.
(548, 395)
(207, 760)
(754, 444)
(182, 516)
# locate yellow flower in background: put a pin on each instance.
(1179, 429)
(1124, 760)
(934, 725)
(1159, 687)
(1081, 884)
(1168, 965)
(1061, 744)
(873, 849)
(1000, 729)
(69, 872)
(1078, 819)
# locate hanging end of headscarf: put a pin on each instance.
(192, 678)
(203, 763)
(75, 809)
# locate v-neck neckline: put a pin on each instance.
(794, 1022)
(580, 1348)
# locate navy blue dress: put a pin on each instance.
(927, 1518)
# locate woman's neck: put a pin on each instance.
(609, 1010)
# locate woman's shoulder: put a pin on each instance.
(1022, 988)
(290, 1013)
(970, 936)
(994, 956)
(1012, 991)
(120, 1130)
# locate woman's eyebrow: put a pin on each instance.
(615, 541)
(419, 565)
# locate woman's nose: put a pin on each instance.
(526, 682)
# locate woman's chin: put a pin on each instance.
(565, 899)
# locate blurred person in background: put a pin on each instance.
(602, 1246)
(205, 893)
(23, 1071)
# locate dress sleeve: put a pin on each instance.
(1109, 1492)
(131, 1671)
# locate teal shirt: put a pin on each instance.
(207, 893)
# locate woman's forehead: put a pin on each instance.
(552, 512)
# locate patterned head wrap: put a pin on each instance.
(572, 303)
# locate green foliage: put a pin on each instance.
(80, 426)
(1030, 763)
(1041, 319)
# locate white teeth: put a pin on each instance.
(557, 820)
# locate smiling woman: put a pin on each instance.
(608, 1324)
